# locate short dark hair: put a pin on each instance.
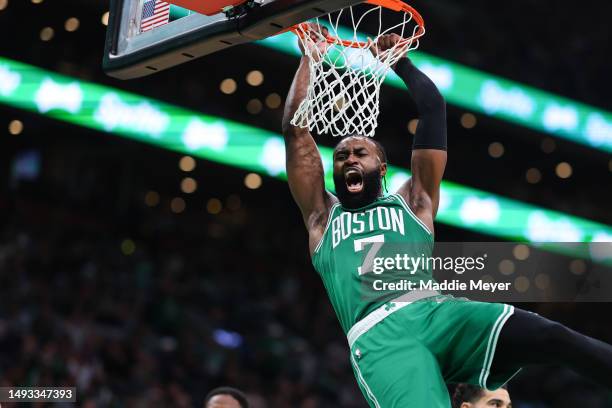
(382, 153)
(468, 393)
(235, 393)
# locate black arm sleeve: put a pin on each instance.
(431, 131)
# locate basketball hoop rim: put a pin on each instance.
(394, 5)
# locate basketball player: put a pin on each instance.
(470, 396)
(405, 347)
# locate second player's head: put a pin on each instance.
(360, 163)
(471, 396)
(226, 397)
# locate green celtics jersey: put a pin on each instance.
(368, 256)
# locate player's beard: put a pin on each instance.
(372, 189)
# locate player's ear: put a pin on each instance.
(465, 405)
(383, 169)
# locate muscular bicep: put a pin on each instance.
(306, 180)
(422, 191)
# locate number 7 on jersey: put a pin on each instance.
(377, 242)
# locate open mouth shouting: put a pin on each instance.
(354, 180)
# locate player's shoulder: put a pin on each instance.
(423, 218)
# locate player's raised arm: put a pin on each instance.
(422, 191)
(304, 165)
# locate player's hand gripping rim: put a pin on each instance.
(316, 45)
(389, 47)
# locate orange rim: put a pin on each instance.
(394, 5)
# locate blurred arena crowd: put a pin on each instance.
(140, 307)
(191, 303)
(161, 326)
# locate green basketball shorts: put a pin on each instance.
(404, 353)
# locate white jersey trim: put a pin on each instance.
(329, 217)
(363, 382)
(379, 314)
(412, 214)
(492, 346)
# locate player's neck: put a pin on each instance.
(359, 204)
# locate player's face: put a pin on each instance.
(222, 401)
(358, 172)
(491, 399)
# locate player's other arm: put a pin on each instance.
(304, 165)
(422, 191)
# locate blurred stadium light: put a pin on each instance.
(212, 138)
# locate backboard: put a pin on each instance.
(148, 36)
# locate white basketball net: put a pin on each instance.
(343, 93)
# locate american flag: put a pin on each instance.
(155, 13)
